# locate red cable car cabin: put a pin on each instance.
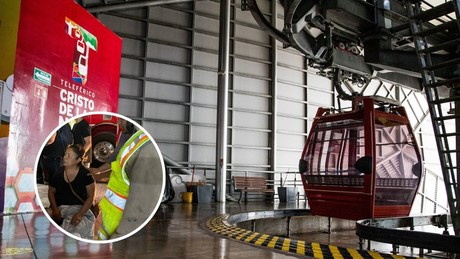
(361, 164)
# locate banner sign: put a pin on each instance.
(67, 63)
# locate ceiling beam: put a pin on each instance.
(132, 4)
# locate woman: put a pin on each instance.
(71, 194)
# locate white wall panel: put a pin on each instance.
(416, 207)
(429, 207)
(130, 108)
(291, 108)
(205, 41)
(164, 131)
(172, 92)
(175, 151)
(251, 50)
(200, 134)
(251, 67)
(202, 77)
(133, 47)
(291, 58)
(204, 96)
(141, 12)
(291, 141)
(166, 111)
(207, 7)
(205, 59)
(168, 53)
(291, 91)
(288, 161)
(207, 24)
(431, 155)
(319, 82)
(131, 87)
(167, 72)
(169, 34)
(204, 115)
(291, 124)
(254, 85)
(170, 16)
(412, 117)
(313, 107)
(250, 138)
(255, 103)
(132, 67)
(251, 120)
(290, 75)
(320, 98)
(249, 156)
(123, 25)
(252, 34)
(202, 154)
(246, 17)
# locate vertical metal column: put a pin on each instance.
(190, 89)
(456, 187)
(274, 103)
(145, 72)
(222, 100)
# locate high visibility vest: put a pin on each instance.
(114, 201)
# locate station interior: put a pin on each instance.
(318, 129)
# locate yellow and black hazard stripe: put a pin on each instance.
(219, 225)
(14, 251)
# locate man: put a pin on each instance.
(134, 188)
(82, 135)
(52, 153)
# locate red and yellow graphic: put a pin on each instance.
(85, 42)
(66, 63)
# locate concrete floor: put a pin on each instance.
(174, 232)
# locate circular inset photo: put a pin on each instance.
(100, 177)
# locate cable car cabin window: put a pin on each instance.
(332, 156)
(397, 165)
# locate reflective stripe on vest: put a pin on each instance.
(139, 139)
(114, 201)
(102, 233)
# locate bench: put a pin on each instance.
(245, 184)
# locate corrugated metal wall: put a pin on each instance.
(169, 84)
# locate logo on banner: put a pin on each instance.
(85, 42)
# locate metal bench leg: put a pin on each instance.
(269, 197)
(241, 195)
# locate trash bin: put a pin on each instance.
(287, 194)
(202, 193)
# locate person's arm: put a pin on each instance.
(55, 212)
(101, 169)
(90, 189)
(146, 177)
(107, 166)
(87, 144)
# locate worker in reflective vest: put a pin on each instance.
(135, 185)
(112, 206)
